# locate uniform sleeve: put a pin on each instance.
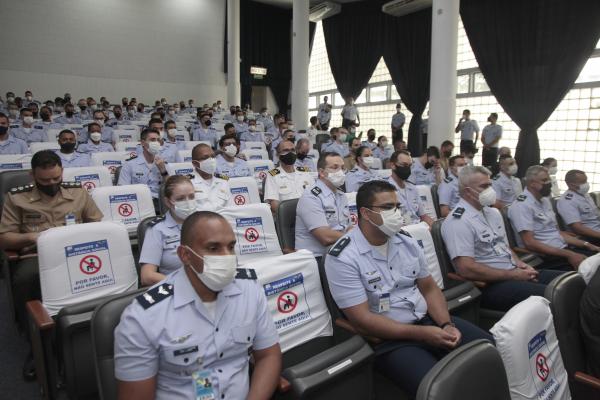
(497, 189)
(136, 358)
(91, 212)
(445, 194)
(152, 248)
(24, 148)
(351, 182)
(271, 189)
(476, 125)
(11, 217)
(266, 334)
(521, 217)
(567, 209)
(345, 283)
(423, 270)
(458, 238)
(311, 212)
(125, 175)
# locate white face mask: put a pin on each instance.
(343, 137)
(29, 98)
(93, 106)
(163, 134)
(487, 198)
(337, 178)
(27, 130)
(171, 112)
(131, 112)
(392, 221)
(208, 166)
(184, 208)
(513, 169)
(218, 272)
(368, 161)
(583, 188)
(231, 150)
(240, 118)
(264, 114)
(154, 147)
(96, 136)
(552, 170)
(291, 127)
(172, 133)
(458, 169)
(28, 120)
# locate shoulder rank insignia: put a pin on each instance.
(155, 295)
(458, 212)
(316, 191)
(521, 197)
(156, 220)
(339, 246)
(222, 176)
(71, 185)
(38, 127)
(448, 179)
(303, 169)
(132, 158)
(274, 172)
(496, 177)
(22, 189)
(13, 126)
(246, 273)
(403, 232)
(568, 196)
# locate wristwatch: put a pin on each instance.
(445, 324)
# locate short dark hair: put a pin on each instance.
(147, 131)
(45, 159)
(155, 121)
(197, 148)
(169, 122)
(433, 151)
(466, 110)
(227, 126)
(359, 151)
(188, 232)
(396, 154)
(89, 126)
(323, 158)
(366, 193)
(225, 137)
(2, 115)
(66, 131)
(548, 161)
(572, 174)
(453, 159)
(447, 143)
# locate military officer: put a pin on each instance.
(212, 190)
(303, 157)
(192, 336)
(576, 207)
(69, 117)
(227, 162)
(68, 156)
(95, 144)
(448, 190)
(505, 184)
(426, 169)
(29, 131)
(8, 143)
(362, 172)
(286, 181)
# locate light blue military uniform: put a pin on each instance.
(320, 207)
(324, 116)
(468, 232)
(249, 136)
(107, 135)
(335, 147)
(421, 176)
(448, 191)
(64, 120)
(411, 206)
(273, 133)
(209, 135)
(357, 177)
(13, 145)
(398, 120)
(468, 129)
(528, 214)
(168, 332)
(371, 145)
(266, 121)
(137, 171)
(75, 159)
(91, 147)
(574, 207)
(239, 167)
(309, 162)
(160, 244)
(357, 272)
(113, 122)
(490, 133)
(240, 127)
(37, 133)
(507, 188)
(384, 153)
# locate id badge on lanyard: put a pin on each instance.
(203, 388)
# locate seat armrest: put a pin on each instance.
(39, 315)
(287, 250)
(14, 256)
(457, 277)
(284, 385)
(520, 250)
(346, 325)
(587, 380)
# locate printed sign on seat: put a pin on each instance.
(89, 177)
(10, 162)
(260, 168)
(126, 147)
(253, 146)
(110, 160)
(427, 200)
(39, 146)
(128, 204)
(184, 168)
(184, 156)
(244, 190)
(253, 154)
(352, 207)
(126, 135)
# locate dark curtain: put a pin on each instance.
(352, 39)
(407, 54)
(530, 52)
(312, 26)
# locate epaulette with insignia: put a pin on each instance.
(303, 169)
(339, 246)
(568, 196)
(13, 126)
(316, 191)
(155, 295)
(458, 212)
(448, 179)
(403, 232)
(22, 189)
(496, 177)
(156, 220)
(131, 158)
(354, 169)
(274, 172)
(246, 273)
(521, 197)
(70, 184)
(222, 176)
(38, 127)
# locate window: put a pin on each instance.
(591, 71)
(378, 93)
(338, 101)
(312, 102)
(362, 97)
(479, 84)
(462, 84)
(394, 93)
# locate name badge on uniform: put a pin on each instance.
(172, 239)
(203, 385)
(384, 302)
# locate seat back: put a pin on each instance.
(184, 168)
(377, 163)
(190, 144)
(12, 179)
(141, 230)
(588, 267)
(508, 228)
(52, 134)
(105, 319)
(126, 147)
(352, 207)
(253, 154)
(559, 220)
(126, 135)
(436, 199)
(596, 197)
(286, 223)
(11, 162)
(128, 127)
(442, 254)
(384, 173)
(34, 147)
(128, 204)
(244, 190)
(421, 233)
(473, 371)
(253, 146)
(254, 230)
(89, 177)
(182, 135)
(184, 156)
(259, 169)
(82, 262)
(527, 342)
(564, 295)
(322, 138)
(110, 160)
(427, 200)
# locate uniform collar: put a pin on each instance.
(364, 246)
(185, 293)
(36, 196)
(529, 195)
(323, 186)
(170, 221)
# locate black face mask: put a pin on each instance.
(402, 172)
(288, 159)
(293, 139)
(546, 189)
(67, 147)
(118, 115)
(371, 137)
(302, 156)
(3, 130)
(428, 165)
(82, 108)
(45, 116)
(49, 190)
(69, 114)
(447, 153)
(207, 122)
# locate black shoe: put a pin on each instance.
(29, 368)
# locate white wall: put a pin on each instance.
(136, 48)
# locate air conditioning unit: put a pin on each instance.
(398, 8)
(324, 10)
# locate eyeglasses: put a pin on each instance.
(387, 206)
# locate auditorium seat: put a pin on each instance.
(286, 224)
(244, 190)
(39, 146)
(10, 162)
(524, 254)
